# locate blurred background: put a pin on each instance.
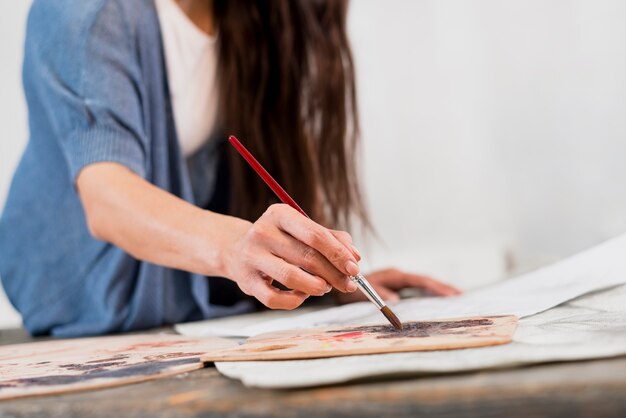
(494, 131)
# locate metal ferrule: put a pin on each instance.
(368, 290)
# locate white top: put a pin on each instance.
(191, 62)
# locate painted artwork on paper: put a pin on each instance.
(445, 334)
(61, 366)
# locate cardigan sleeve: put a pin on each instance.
(83, 67)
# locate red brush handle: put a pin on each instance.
(267, 178)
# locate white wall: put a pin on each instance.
(494, 131)
(12, 111)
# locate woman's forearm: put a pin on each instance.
(154, 225)
(282, 245)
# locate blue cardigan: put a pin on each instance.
(96, 89)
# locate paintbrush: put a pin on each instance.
(359, 279)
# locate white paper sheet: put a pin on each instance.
(231, 326)
(592, 326)
(597, 268)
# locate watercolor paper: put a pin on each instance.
(594, 269)
(62, 366)
(443, 334)
(597, 268)
(230, 326)
(592, 326)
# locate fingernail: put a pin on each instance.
(352, 268)
(356, 252)
(351, 286)
(328, 289)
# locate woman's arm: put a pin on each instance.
(153, 225)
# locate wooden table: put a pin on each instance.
(580, 389)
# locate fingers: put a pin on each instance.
(292, 277)
(387, 294)
(315, 236)
(346, 240)
(275, 298)
(296, 253)
(425, 282)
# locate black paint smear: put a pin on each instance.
(75, 367)
(418, 329)
(166, 356)
(106, 360)
(147, 368)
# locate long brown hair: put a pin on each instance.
(287, 90)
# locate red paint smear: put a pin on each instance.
(154, 344)
(349, 335)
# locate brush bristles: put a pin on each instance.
(391, 317)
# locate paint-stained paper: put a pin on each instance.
(597, 268)
(442, 334)
(592, 326)
(62, 366)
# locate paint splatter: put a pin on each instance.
(89, 367)
(348, 335)
(166, 356)
(109, 359)
(147, 368)
(154, 344)
(271, 347)
(418, 329)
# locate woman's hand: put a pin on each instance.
(388, 282)
(153, 225)
(280, 246)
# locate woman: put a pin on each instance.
(127, 206)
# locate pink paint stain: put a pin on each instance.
(348, 335)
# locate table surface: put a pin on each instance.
(588, 388)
